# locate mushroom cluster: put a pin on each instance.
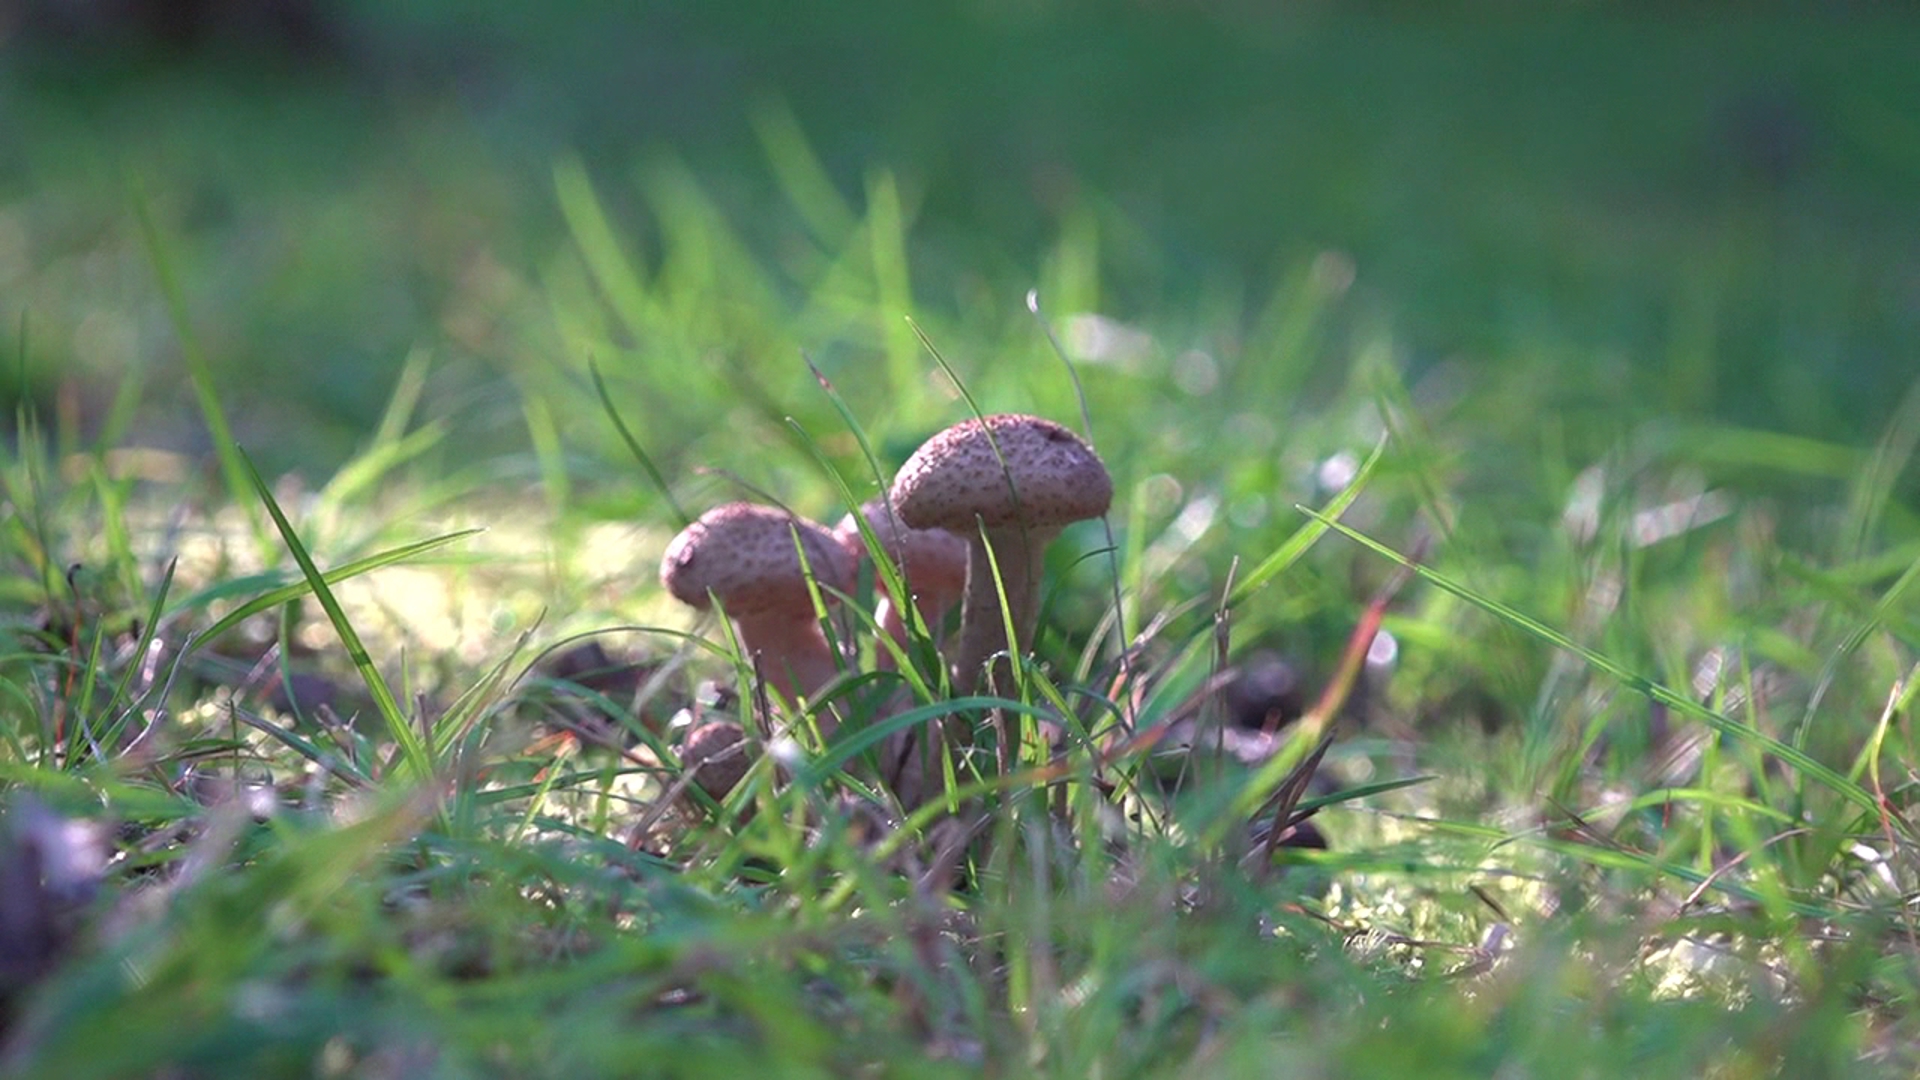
(967, 520)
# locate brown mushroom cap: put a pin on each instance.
(955, 477)
(1008, 484)
(744, 554)
(934, 561)
(705, 742)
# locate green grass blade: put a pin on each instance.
(306, 748)
(275, 597)
(148, 629)
(1124, 624)
(1875, 485)
(380, 459)
(1360, 791)
(885, 569)
(852, 744)
(413, 749)
(549, 452)
(121, 413)
(1793, 455)
(853, 426)
(893, 287)
(1404, 427)
(404, 400)
(953, 376)
(471, 706)
(1303, 538)
(633, 446)
(593, 235)
(1883, 610)
(800, 173)
(1678, 702)
(232, 466)
(89, 676)
(114, 533)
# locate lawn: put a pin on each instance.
(1511, 419)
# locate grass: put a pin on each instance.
(363, 762)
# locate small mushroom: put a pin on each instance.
(932, 565)
(745, 556)
(701, 754)
(1018, 480)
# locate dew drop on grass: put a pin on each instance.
(1337, 471)
(1384, 651)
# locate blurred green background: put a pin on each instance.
(1634, 212)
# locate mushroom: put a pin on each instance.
(932, 565)
(1007, 484)
(701, 754)
(746, 557)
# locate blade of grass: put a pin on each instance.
(121, 413)
(414, 750)
(1680, 703)
(199, 374)
(893, 288)
(89, 675)
(1358, 792)
(1303, 538)
(274, 598)
(29, 511)
(549, 452)
(112, 498)
(1622, 858)
(1407, 431)
(1899, 698)
(593, 234)
(1746, 448)
(148, 629)
(1123, 625)
(381, 458)
(853, 744)
(800, 173)
(1874, 486)
(470, 707)
(853, 426)
(888, 571)
(407, 388)
(1882, 610)
(633, 445)
(1312, 735)
(945, 368)
(335, 764)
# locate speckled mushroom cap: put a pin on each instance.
(931, 558)
(744, 554)
(706, 741)
(955, 477)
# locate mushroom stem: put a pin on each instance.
(891, 618)
(907, 756)
(790, 653)
(1019, 552)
